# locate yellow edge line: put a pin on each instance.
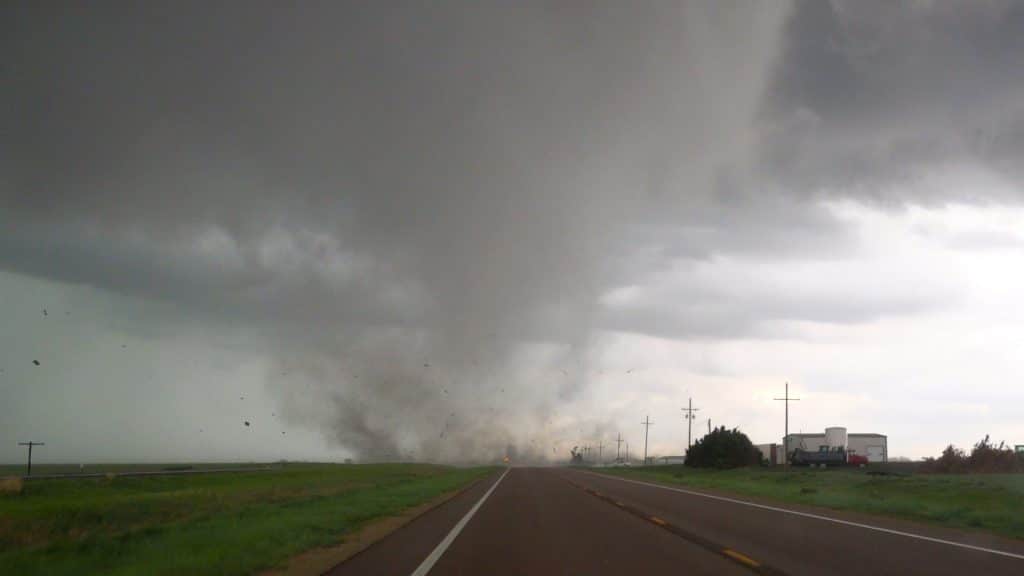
(658, 521)
(740, 557)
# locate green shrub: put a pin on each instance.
(984, 457)
(723, 449)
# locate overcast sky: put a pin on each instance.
(438, 230)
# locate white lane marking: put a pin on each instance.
(434, 556)
(818, 517)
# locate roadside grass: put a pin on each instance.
(233, 523)
(990, 502)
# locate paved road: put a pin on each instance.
(561, 521)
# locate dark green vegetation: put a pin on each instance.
(984, 457)
(992, 502)
(723, 449)
(233, 523)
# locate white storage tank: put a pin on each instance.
(835, 437)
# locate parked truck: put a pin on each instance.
(827, 456)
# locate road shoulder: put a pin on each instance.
(321, 560)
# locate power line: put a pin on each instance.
(647, 426)
(785, 439)
(30, 444)
(689, 416)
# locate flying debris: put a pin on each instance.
(426, 365)
(246, 422)
(36, 362)
(241, 397)
(124, 345)
(282, 432)
(44, 312)
(630, 371)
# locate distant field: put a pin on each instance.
(992, 502)
(233, 523)
(44, 469)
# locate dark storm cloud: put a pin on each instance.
(391, 185)
(483, 158)
(868, 93)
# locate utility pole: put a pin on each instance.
(785, 439)
(689, 416)
(600, 453)
(647, 426)
(30, 444)
(627, 452)
(618, 445)
(709, 425)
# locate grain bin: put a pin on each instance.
(835, 437)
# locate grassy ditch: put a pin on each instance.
(232, 523)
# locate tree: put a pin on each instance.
(952, 459)
(723, 449)
(984, 457)
(988, 457)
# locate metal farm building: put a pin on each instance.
(874, 446)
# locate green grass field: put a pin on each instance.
(991, 502)
(232, 523)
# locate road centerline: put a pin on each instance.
(687, 535)
(424, 568)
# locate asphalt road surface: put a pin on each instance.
(562, 521)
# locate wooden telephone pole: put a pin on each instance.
(647, 426)
(690, 416)
(30, 444)
(785, 439)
